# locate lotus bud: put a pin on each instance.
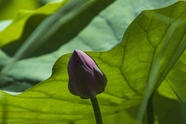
(85, 78)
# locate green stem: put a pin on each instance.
(150, 111)
(97, 112)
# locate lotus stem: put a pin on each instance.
(150, 111)
(97, 112)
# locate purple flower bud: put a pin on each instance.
(85, 77)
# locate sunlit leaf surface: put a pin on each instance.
(8, 8)
(26, 20)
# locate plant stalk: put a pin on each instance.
(97, 112)
(150, 111)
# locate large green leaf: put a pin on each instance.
(151, 46)
(105, 30)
